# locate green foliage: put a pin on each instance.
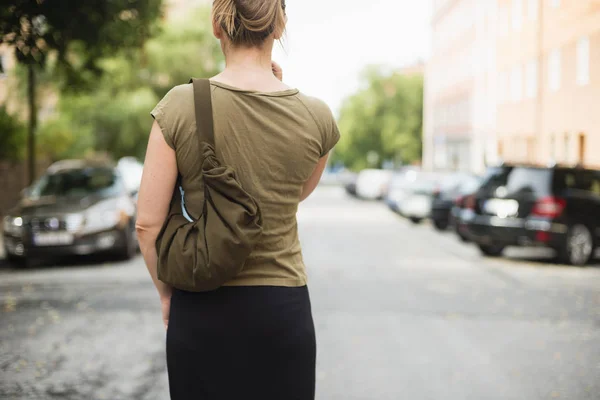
(78, 33)
(114, 115)
(385, 118)
(12, 136)
(113, 122)
(185, 48)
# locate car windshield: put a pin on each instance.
(424, 184)
(78, 182)
(403, 179)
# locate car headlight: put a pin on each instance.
(74, 222)
(104, 216)
(13, 225)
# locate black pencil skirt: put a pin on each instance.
(241, 343)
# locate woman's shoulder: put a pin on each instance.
(175, 113)
(178, 102)
(313, 102)
(318, 108)
(180, 93)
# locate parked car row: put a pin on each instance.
(77, 207)
(511, 205)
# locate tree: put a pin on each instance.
(197, 52)
(382, 122)
(74, 35)
(11, 136)
(114, 117)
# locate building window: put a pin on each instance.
(532, 9)
(581, 149)
(502, 87)
(516, 83)
(583, 61)
(531, 79)
(517, 14)
(530, 152)
(554, 70)
(503, 21)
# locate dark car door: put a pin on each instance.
(581, 190)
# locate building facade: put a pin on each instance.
(460, 86)
(549, 81)
(515, 81)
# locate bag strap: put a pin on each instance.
(204, 112)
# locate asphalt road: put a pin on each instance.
(401, 312)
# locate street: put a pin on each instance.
(401, 312)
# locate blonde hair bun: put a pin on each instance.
(250, 22)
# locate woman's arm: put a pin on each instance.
(156, 190)
(314, 179)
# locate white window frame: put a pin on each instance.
(533, 10)
(516, 83)
(583, 61)
(554, 70)
(531, 79)
(516, 15)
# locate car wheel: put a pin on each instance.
(457, 229)
(18, 262)
(416, 220)
(492, 250)
(578, 248)
(463, 238)
(440, 225)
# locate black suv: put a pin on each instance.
(556, 207)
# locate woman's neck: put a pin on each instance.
(252, 59)
(250, 69)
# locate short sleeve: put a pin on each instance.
(171, 113)
(331, 133)
(325, 121)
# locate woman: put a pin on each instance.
(254, 337)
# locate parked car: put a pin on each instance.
(76, 207)
(349, 182)
(418, 197)
(131, 170)
(398, 187)
(458, 223)
(372, 184)
(443, 212)
(556, 207)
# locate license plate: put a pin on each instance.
(52, 239)
(501, 207)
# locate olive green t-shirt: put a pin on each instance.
(273, 141)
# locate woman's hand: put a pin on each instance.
(165, 306)
(277, 71)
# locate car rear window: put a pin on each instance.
(583, 180)
(519, 181)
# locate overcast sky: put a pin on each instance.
(329, 42)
